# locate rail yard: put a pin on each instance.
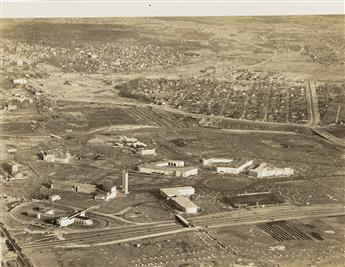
(173, 142)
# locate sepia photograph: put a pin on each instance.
(172, 141)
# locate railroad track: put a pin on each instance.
(105, 235)
(258, 218)
(22, 258)
(283, 231)
(137, 232)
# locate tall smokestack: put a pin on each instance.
(125, 181)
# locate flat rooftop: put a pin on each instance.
(234, 164)
(184, 202)
(155, 167)
(176, 191)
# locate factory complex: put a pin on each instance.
(138, 146)
(227, 166)
(238, 165)
(170, 167)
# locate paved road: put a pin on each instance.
(328, 136)
(315, 117)
(137, 232)
(311, 102)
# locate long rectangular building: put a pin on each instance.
(73, 186)
(171, 167)
(265, 170)
(235, 167)
(185, 204)
(178, 196)
(185, 191)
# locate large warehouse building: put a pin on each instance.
(265, 170)
(73, 186)
(235, 167)
(56, 157)
(170, 167)
(211, 161)
(185, 191)
(178, 196)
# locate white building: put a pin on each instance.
(83, 220)
(175, 163)
(265, 170)
(185, 204)
(107, 193)
(170, 167)
(19, 81)
(64, 221)
(235, 167)
(210, 161)
(54, 198)
(12, 150)
(178, 196)
(11, 107)
(185, 191)
(19, 63)
(147, 152)
(41, 212)
(140, 147)
(62, 158)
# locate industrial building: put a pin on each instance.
(265, 170)
(147, 152)
(138, 146)
(56, 157)
(185, 191)
(106, 192)
(211, 161)
(83, 220)
(185, 204)
(19, 81)
(178, 196)
(40, 213)
(170, 167)
(54, 198)
(73, 186)
(68, 220)
(77, 217)
(235, 167)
